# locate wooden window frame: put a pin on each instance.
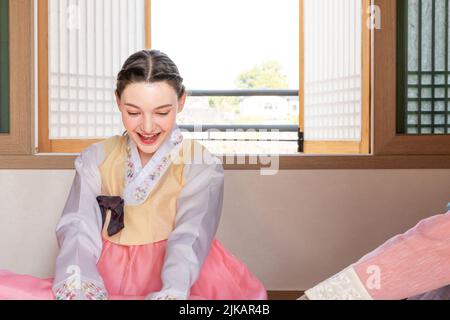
(16, 148)
(386, 139)
(4, 69)
(45, 144)
(341, 147)
(19, 139)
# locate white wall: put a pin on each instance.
(292, 229)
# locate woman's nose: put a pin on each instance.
(147, 125)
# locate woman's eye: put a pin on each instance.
(133, 114)
(163, 113)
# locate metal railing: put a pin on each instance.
(244, 93)
(214, 128)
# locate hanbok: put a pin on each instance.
(414, 265)
(133, 232)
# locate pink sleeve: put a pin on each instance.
(409, 264)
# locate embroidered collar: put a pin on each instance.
(140, 181)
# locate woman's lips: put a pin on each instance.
(149, 141)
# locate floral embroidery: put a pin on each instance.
(167, 297)
(343, 286)
(71, 289)
(93, 292)
(141, 191)
(163, 296)
(130, 164)
(68, 289)
(176, 137)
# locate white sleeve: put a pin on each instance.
(79, 233)
(419, 258)
(199, 208)
(346, 285)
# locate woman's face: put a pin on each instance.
(148, 113)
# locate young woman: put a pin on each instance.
(144, 208)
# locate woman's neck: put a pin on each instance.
(145, 158)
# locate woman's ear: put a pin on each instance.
(181, 102)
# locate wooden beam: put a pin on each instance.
(386, 139)
(301, 89)
(300, 162)
(44, 144)
(364, 146)
(148, 24)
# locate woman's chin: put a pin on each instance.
(147, 151)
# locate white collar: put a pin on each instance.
(140, 181)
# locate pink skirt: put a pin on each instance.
(132, 272)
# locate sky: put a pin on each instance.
(213, 41)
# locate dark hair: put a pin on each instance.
(150, 66)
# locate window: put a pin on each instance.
(390, 148)
(408, 110)
(277, 83)
(240, 62)
(336, 72)
(16, 77)
(88, 41)
(334, 103)
(423, 69)
(4, 66)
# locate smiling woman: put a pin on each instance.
(149, 124)
(150, 93)
(134, 228)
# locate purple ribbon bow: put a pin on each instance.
(115, 204)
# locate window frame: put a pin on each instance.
(45, 144)
(250, 93)
(386, 139)
(4, 69)
(16, 149)
(21, 41)
(341, 147)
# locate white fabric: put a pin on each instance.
(345, 285)
(79, 228)
(199, 208)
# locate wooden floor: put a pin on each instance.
(284, 295)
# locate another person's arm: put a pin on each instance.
(409, 264)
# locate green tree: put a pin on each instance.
(224, 104)
(268, 75)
